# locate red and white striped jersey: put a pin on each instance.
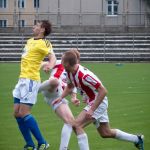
(85, 81)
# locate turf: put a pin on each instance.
(128, 88)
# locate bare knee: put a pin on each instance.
(78, 129)
(16, 111)
(69, 121)
(106, 133)
(18, 114)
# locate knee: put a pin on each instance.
(20, 113)
(69, 120)
(54, 82)
(77, 128)
(17, 114)
(105, 133)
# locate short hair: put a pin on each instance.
(47, 26)
(70, 57)
(75, 50)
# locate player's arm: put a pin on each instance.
(66, 92)
(100, 96)
(74, 99)
(50, 64)
(47, 49)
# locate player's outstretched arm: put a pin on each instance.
(49, 64)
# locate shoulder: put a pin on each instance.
(46, 42)
(82, 70)
(29, 40)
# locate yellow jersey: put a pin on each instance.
(33, 54)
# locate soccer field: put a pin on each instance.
(128, 88)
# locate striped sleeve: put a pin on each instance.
(91, 81)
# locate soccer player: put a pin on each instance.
(52, 89)
(26, 90)
(94, 94)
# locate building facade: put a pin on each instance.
(76, 13)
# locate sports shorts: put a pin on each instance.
(100, 114)
(26, 90)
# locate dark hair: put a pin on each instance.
(47, 26)
(70, 57)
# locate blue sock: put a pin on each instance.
(25, 131)
(33, 126)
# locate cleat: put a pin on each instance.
(140, 144)
(29, 148)
(43, 146)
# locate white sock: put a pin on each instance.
(65, 136)
(83, 141)
(126, 136)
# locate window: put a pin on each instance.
(20, 3)
(36, 4)
(112, 7)
(3, 23)
(35, 22)
(2, 3)
(21, 23)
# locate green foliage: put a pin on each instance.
(129, 107)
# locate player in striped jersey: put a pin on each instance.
(25, 92)
(52, 89)
(97, 102)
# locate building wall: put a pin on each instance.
(77, 13)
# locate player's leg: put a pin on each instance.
(22, 127)
(106, 132)
(29, 96)
(64, 112)
(80, 122)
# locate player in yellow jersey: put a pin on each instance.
(26, 90)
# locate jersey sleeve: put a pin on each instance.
(91, 81)
(46, 47)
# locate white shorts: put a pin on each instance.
(63, 101)
(100, 114)
(49, 97)
(26, 90)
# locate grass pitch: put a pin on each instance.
(128, 88)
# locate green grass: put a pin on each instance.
(129, 107)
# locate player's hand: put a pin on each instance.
(45, 66)
(76, 102)
(56, 101)
(89, 114)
